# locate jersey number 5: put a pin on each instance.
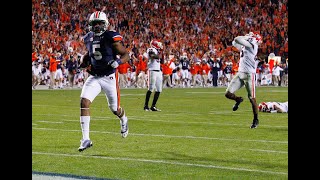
(97, 54)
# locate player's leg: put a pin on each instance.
(158, 86)
(169, 81)
(110, 86)
(151, 86)
(184, 78)
(235, 84)
(251, 90)
(89, 91)
(52, 79)
(60, 78)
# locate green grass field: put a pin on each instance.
(196, 136)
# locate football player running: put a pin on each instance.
(248, 47)
(154, 74)
(105, 53)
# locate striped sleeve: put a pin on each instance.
(117, 37)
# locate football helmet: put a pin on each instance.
(156, 44)
(263, 107)
(98, 22)
(256, 36)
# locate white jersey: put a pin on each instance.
(36, 70)
(277, 107)
(248, 62)
(153, 64)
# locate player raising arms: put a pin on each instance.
(248, 47)
(153, 55)
(105, 53)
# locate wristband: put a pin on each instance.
(119, 61)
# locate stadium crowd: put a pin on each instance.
(197, 32)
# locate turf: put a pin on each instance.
(195, 136)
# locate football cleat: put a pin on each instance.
(153, 108)
(235, 107)
(124, 129)
(84, 144)
(146, 108)
(254, 124)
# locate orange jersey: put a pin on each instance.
(194, 69)
(123, 68)
(235, 68)
(143, 65)
(205, 68)
(53, 64)
(166, 69)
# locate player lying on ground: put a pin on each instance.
(273, 107)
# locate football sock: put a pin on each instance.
(124, 119)
(123, 116)
(155, 98)
(85, 123)
(147, 98)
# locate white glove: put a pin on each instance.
(234, 43)
(115, 63)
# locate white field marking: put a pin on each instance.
(208, 123)
(52, 177)
(205, 92)
(53, 115)
(143, 118)
(53, 122)
(161, 162)
(169, 136)
(132, 94)
(265, 90)
(270, 151)
(229, 111)
(125, 94)
(46, 105)
(34, 124)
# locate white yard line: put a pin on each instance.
(169, 136)
(147, 119)
(162, 162)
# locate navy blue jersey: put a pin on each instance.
(101, 51)
(227, 69)
(184, 64)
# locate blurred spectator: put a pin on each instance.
(192, 27)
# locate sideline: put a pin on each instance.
(55, 176)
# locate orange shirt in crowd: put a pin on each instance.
(166, 69)
(194, 68)
(235, 68)
(271, 64)
(123, 68)
(53, 64)
(205, 68)
(34, 56)
(141, 65)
